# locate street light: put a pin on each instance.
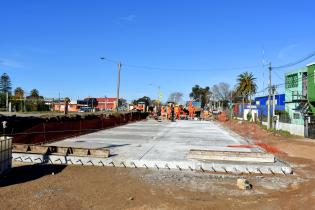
(118, 80)
(159, 92)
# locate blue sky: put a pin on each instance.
(55, 45)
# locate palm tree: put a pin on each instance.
(19, 92)
(246, 86)
(34, 93)
(67, 101)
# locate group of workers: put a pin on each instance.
(173, 112)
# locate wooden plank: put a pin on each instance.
(213, 155)
(101, 152)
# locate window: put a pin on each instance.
(271, 102)
(291, 80)
(296, 116)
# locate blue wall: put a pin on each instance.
(263, 107)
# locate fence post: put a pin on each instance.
(80, 125)
(102, 119)
(44, 131)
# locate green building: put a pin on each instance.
(300, 93)
(296, 103)
(311, 87)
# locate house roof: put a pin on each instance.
(310, 64)
(303, 69)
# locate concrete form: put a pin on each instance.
(214, 155)
(162, 145)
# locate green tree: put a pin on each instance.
(5, 87)
(19, 93)
(200, 94)
(17, 99)
(246, 86)
(34, 94)
(5, 84)
(122, 102)
(35, 102)
(146, 100)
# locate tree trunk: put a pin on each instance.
(243, 106)
(250, 106)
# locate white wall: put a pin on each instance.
(292, 128)
(254, 114)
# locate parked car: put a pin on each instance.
(215, 111)
(85, 109)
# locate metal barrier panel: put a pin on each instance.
(54, 130)
(5, 154)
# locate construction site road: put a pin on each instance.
(47, 186)
(167, 145)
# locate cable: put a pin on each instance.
(296, 62)
(181, 69)
(193, 69)
(278, 75)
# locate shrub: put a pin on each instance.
(249, 116)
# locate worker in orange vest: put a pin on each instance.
(178, 113)
(176, 109)
(185, 114)
(191, 110)
(206, 115)
(169, 112)
(163, 112)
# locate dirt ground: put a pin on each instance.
(75, 187)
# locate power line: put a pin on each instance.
(182, 69)
(312, 54)
(295, 62)
(192, 69)
(279, 77)
(311, 76)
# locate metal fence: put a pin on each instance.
(56, 129)
(5, 154)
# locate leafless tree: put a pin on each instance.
(221, 92)
(176, 97)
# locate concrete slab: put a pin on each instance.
(213, 155)
(166, 145)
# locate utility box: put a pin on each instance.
(5, 154)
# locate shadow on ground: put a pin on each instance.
(116, 145)
(28, 173)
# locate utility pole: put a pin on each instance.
(105, 103)
(273, 107)
(231, 106)
(118, 85)
(118, 80)
(269, 93)
(159, 93)
(24, 104)
(59, 102)
(7, 101)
